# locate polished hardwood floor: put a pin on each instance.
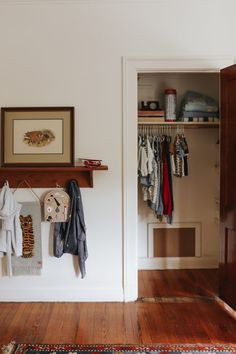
(127, 323)
(182, 282)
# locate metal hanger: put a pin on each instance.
(24, 181)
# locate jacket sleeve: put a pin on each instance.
(17, 241)
(58, 239)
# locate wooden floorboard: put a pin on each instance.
(127, 323)
(116, 323)
(182, 282)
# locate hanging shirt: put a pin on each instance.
(10, 228)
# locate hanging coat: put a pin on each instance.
(10, 228)
(70, 236)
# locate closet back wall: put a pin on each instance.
(194, 202)
(69, 53)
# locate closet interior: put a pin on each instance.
(188, 238)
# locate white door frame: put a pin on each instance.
(131, 67)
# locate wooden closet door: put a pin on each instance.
(228, 187)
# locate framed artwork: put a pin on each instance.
(37, 136)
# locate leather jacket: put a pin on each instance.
(70, 236)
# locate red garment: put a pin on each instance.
(167, 202)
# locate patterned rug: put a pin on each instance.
(13, 348)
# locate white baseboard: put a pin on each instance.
(61, 295)
(178, 263)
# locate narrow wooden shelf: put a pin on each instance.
(185, 125)
(49, 177)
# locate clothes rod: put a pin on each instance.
(187, 125)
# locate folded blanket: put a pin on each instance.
(195, 101)
(193, 114)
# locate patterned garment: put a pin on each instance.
(28, 236)
(181, 151)
(31, 261)
(178, 156)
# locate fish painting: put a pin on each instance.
(38, 138)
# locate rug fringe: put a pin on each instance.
(197, 348)
(9, 348)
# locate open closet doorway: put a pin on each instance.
(178, 186)
(132, 262)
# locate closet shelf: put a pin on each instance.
(49, 177)
(185, 125)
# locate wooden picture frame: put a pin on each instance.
(37, 136)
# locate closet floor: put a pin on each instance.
(178, 283)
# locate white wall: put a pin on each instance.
(69, 53)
